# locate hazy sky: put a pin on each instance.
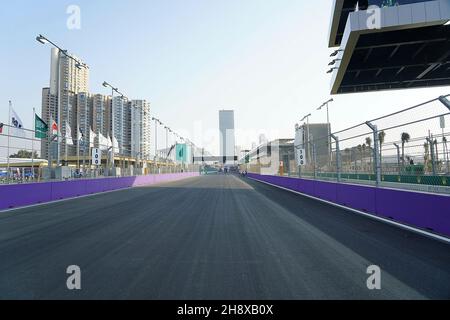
(267, 60)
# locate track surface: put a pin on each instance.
(213, 237)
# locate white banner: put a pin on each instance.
(301, 157)
(69, 139)
(96, 156)
(17, 125)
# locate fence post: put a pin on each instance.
(315, 160)
(376, 151)
(400, 167)
(338, 157)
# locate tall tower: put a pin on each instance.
(140, 129)
(66, 81)
(227, 135)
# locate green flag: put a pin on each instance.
(181, 152)
(41, 128)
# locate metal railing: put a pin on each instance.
(22, 161)
(407, 149)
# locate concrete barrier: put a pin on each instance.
(20, 195)
(425, 211)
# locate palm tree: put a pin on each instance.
(381, 138)
(369, 144)
(435, 143)
(363, 155)
(359, 148)
(405, 139)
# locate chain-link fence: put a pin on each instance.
(405, 149)
(24, 158)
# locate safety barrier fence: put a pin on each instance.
(421, 210)
(20, 195)
(406, 148)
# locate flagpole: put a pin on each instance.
(32, 143)
(9, 135)
(66, 146)
(78, 146)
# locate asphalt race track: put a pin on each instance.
(212, 237)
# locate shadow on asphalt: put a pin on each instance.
(401, 253)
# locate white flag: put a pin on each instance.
(92, 137)
(103, 142)
(116, 144)
(69, 139)
(80, 136)
(17, 124)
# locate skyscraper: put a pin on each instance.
(140, 129)
(227, 134)
(66, 81)
(84, 120)
(49, 110)
(100, 122)
(126, 135)
(118, 109)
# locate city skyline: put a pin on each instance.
(175, 87)
(233, 151)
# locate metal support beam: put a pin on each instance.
(338, 157)
(445, 102)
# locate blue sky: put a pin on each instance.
(264, 59)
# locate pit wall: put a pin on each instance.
(426, 211)
(20, 195)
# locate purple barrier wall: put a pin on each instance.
(357, 197)
(19, 195)
(421, 210)
(68, 189)
(24, 195)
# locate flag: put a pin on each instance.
(69, 139)
(41, 128)
(54, 128)
(92, 137)
(17, 123)
(80, 136)
(181, 150)
(116, 144)
(103, 142)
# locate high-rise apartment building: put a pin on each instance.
(126, 136)
(66, 81)
(111, 117)
(140, 129)
(227, 134)
(49, 109)
(84, 118)
(117, 121)
(100, 123)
